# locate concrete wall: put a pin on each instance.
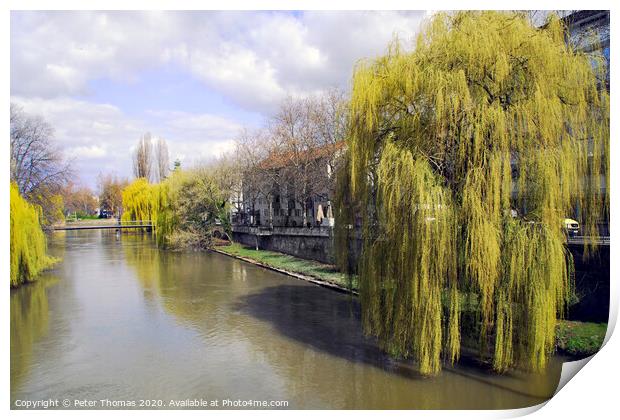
(309, 243)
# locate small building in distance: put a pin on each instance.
(291, 189)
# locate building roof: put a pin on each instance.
(282, 159)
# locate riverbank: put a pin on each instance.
(580, 339)
(573, 338)
(308, 270)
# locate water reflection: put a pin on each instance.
(332, 326)
(126, 320)
(29, 322)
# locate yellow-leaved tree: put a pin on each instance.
(464, 156)
(28, 245)
(184, 208)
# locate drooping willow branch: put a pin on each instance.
(28, 244)
(464, 156)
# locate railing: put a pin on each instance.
(581, 240)
(328, 231)
(325, 231)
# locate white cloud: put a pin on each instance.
(254, 58)
(240, 74)
(194, 138)
(87, 152)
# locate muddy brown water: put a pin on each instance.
(119, 320)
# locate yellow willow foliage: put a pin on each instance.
(28, 243)
(138, 201)
(415, 249)
(29, 322)
(463, 158)
(154, 202)
(538, 286)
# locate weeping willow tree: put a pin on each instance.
(138, 202)
(464, 157)
(145, 201)
(184, 208)
(28, 245)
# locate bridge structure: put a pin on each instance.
(132, 224)
(218, 233)
(582, 240)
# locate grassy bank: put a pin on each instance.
(324, 272)
(580, 339)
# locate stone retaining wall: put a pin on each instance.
(310, 243)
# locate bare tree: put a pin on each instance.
(36, 161)
(256, 179)
(162, 160)
(226, 172)
(292, 146)
(307, 136)
(329, 114)
(143, 157)
(38, 166)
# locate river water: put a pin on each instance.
(118, 319)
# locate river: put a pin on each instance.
(119, 320)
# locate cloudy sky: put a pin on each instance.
(102, 79)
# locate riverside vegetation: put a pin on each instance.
(184, 208)
(459, 239)
(580, 339)
(28, 245)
